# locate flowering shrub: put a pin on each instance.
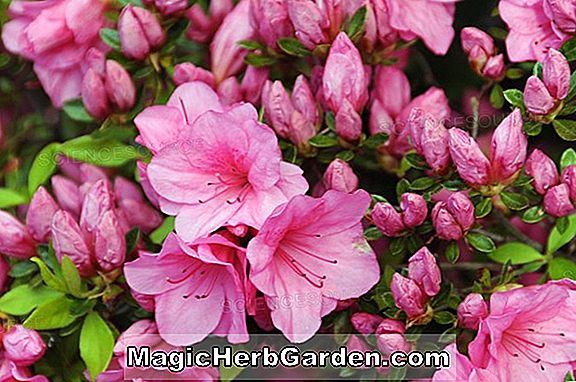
(386, 168)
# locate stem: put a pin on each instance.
(475, 103)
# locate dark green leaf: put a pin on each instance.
(532, 128)
(416, 161)
(76, 111)
(10, 198)
(568, 49)
(111, 37)
(560, 268)
(533, 215)
(514, 201)
(132, 238)
(23, 299)
(444, 317)
(565, 128)
(372, 233)
(44, 165)
(96, 344)
(452, 252)
(293, 47)
(422, 184)
(514, 73)
(258, 60)
(357, 22)
(483, 208)
(375, 141)
(537, 70)
(397, 246)
(515, 253)
(346, 155)
(251, 45)
(23, 268)
(480, 242)
(330, 120)
(323, 141)
(402, 187)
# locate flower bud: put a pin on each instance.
(188, 72)
(473, 37)
(471, 311)
(304, 101)
(422, 268)
(471, 163)
(202, 25)
(556, 74)
(407, 295)
(557, 201)
(97, 201)
(508, 148)
(445, 224)
(569, 179)
(537, 99)
(461, 207)
(543, 170)
(388, 220)
(270, 19)
(4, 273)
(140, 32)
(229, 91)
(495, 67)
(110, 243)
(119, 86)
(435, 150)
(339, 176)
(23, 346)
(15, 240)
(252, 83)
(344, 77)
(348, 123)
(365, 323)
(69, 240)
(278, 107)
(414, 209)
(67, 194)
(390, 337)
(94, 94)
(309, 22)
(39, 217)
(170, 7)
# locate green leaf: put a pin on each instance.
(71, 277)
(402, 187)
(483, 208)
(96, 344)
(375, 141)
(497, 96)
(45, 164)
(416, 161)
(452, 252)
(514, 73)
(293, 47)
(55, 314)
(258, 60)
(22, 269)
(480, 242)
(537, 70)
(514, 201)
(422, 184)
(111, 37)
(572, 89)
(76, 111)
(346, 155)
(23, 299)
(516, 253)
(532, 128)
(568, 158)
(560, 268)
(514, 97)
(48, 276)
(557, 240)
(250, 44)
(357, 22)
(568, 49)
(100, 152)
(132, 238)
(372, 233)
(323, 141)
(533, 215)
(158, 236)
(444, 317)
(10, 198)
(565, 128)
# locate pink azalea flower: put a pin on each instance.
(55, 35)
(462, 370)
(310, 253)
(210, 176)
(196, 287)
(530, 331)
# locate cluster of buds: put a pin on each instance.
(412, 293)
(389, 333)
(507, 155)
(168, 7)
(471, 311)
(454, 217)
(559, 191)
(543, 97)
(106, 86)
(482, 54)
(294, 117)
(140, 32)
(393, 223)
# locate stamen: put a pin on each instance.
(294, 265)
(318, 257)
(186, 273)
(209, 290)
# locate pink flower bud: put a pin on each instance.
(495, 67)
(270, 19)
(39, 216)
(407, 295)
(23, 346)
(304, 101)
(473, 37)
(422, 268)
(445, 224)
(339, 176)
(110, 243)
(537, 98)
(569, 179)
(414, 209)
(138, 213)
(557, 201)
(278, 107)
(543, 170)
(380, 121)
(119, 86)
(252, 83)
(140, 32)
(67, 194)
(187, 72)
(69, 240)
(227, 57)
(94, 95)
(556, 74)
(229, 91)
(202, 25)
(365, 323)
(170, 7)
(461, 207)
(435, 149)
(309, 23)
(348, 123)
(344, 76)
(471, 311)
(508, 148)
(15, 240)
(562, 13)
(388, 220)
(98, 199)
(472, 164)
(390, 337)
(4, 273)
